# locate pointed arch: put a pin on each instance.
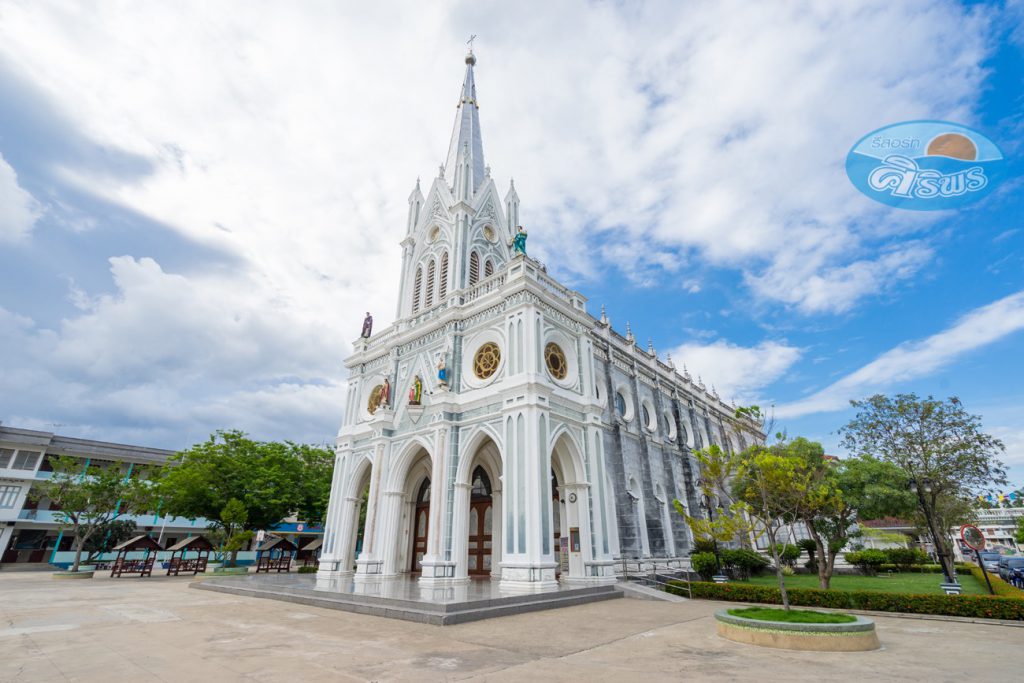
(417, 288)
(474, 267)
(428, 296)
(442, 284)
(488, 267)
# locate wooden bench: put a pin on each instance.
(279, 564)
(177, 565)
(141, 567)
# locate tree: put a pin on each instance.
(1018, 533)
(938, 445)
(858, 488)
(725, 521)
(90, 497)
(107, 536)
(271, 480)
(233, 518)
(777, 485)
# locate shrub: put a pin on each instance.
(977, 606)
(961, 568)
(704, 545)
(905, 558)
(788, 571)
(704, 564)
(307, 570)
(998, 585)
(745, 562)
(868, 561)
(788, 553)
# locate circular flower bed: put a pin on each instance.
(801, 630)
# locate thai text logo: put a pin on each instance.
(925, 165)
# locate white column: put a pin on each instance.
(437, 570)
(496, 539)
(460, 530)
(369, 564)
(335, 541)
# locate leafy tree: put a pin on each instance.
(1018, 533)
(858, 488)
(271, 480)
(727, 521)
(90, 498)
(107, 536)
(940, 448)
(777, 485)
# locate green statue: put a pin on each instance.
(518, 242)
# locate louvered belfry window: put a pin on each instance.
(488, 268)
(429, 296)
(442, 285)
(474, 268)
(416, 287)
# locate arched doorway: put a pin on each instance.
(569, 510)
(481, 524)
(561, 543)
(420, 525)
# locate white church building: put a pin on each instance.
(497, 429)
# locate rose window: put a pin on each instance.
(486, 361)
(555, 359)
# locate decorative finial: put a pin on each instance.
(629, 333)
(512, 183)
(668, 361)
(417, 182)
(686, 373)
(440, 171)
(604, 315)
(470, 58)
(650, 346)
(487, 171)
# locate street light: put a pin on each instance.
(920, 489)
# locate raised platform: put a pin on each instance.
(404, 598)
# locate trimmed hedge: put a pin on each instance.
(979, 606)
(961, 568)
(998, 585)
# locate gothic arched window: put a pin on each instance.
(417, 285)
(488, 268)
(474, 268)
(428, 298)
(442, 284)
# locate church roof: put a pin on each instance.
(466, 134)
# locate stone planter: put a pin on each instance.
(86, 567)
(231, 570)
(854, 636)
(61, 576)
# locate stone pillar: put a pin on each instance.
(370, 565)
(460, 530)
(436, 569)
(496, 539)
(335, 539)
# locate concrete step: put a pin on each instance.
(410, 610)
(638, 592)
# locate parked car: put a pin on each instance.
(1017, 577)
(990, 561)
(1007, 564)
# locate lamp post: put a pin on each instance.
(707, 503)
(921, 488)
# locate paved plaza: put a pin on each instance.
(159, 629)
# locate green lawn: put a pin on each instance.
(898, 583)
(796, 616)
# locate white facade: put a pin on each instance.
(552, 445)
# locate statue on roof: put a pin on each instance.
(518, 242)
(367, 326)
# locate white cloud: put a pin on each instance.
(737, 371)
(288, 136)
(18, 209)
(911, 360)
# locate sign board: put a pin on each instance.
(574, 539)
(972, 536)
(300, 527)
(260, 535)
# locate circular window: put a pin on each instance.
(620, 404)
(374, 401)
(486, 360)
(488, 233)
(555, 359)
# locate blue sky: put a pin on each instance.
(197, 203)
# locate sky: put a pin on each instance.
(199, 201)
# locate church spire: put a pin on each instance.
(464, 169)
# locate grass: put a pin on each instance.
(898, 583)
(796, 616)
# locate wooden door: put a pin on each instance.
(419, 540)
(481, 521)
